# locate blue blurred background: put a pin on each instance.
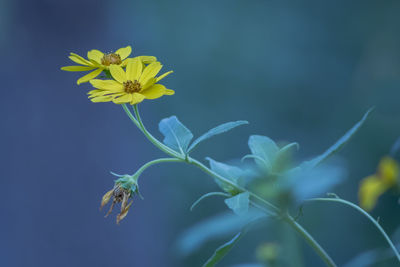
(300, 71)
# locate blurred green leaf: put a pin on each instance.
(283, 159)
(365, 259)
(215, 131)
(213, 228)
(233, 173)
(338, 145)
(264, 148)
(221, 251)
(308, 183)
(239, 203)
(176, 135)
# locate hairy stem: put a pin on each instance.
(363, 212)
(271, 209)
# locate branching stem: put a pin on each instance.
(270, 209)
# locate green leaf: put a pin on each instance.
(308, 183)
(176, 135)
(206, 196)
(283, 159)
(239, 203)
(221, 251)
(265, 148)
(215, 131)
(232, 173)
(338, 145)
(215, 227)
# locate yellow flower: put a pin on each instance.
(373, 186)
(98, 61)
(132, 86)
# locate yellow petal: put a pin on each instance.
(106, 198)
(126, 98)
(77, 68)
(154, 91)
(159, 78)
(96, 93)
(79, 60)
(137, 98)
(371, 188)
(106, 98)
(169, 92)
(107, 85)
(118, 73)
(124, 52)
(388, 170)
(149, 83)
(123, 213)
(89, 76)
(134, 69)
(95, 55)
(150, 72)
(147, 59)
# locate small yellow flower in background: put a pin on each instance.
(98, 61)
(132, 86)
(373, 186)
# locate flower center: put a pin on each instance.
(111, 58)
(132, 87)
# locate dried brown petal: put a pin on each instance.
(106, 198)
(124, 212)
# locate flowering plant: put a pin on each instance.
(266, 184)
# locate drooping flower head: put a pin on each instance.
(125, 188)
(98, 61)
(132, 86)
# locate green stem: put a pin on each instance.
(156, 161)
(138, 122)
(354, 206)
(310, 240)
(272, 209)
(227, 181)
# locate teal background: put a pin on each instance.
(301, 71)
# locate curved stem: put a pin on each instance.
(138, 122)
(154, 140)
(354, 206)
(310, 240)
(156, 161)
(272, 209)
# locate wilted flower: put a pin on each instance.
(124, 189)
(98, 61)
(373, 186)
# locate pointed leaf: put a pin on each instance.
(265, 148)
(284, 157)
(215, 227)
(308, 183)
(239, 203)
(232, 173)
(177, 136)
(222, 251)
(338, 145)
(215, 131)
